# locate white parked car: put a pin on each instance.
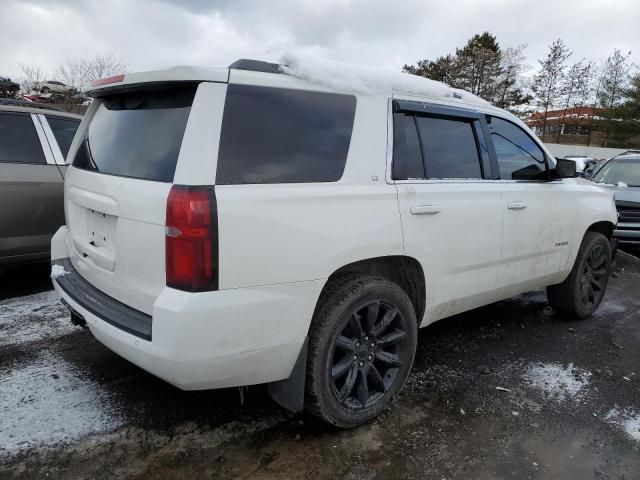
(296, 225)
(581, 161)
(53, 86)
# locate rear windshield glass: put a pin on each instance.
(277, 135)
(137, 135)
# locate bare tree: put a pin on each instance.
(76, 72)
(547, 82)
(615, 79)
(31, 74)
(102, 66)
(510, 89)
(575, 89)
(70, 72)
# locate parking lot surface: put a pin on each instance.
(506, 391)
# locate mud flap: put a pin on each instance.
(289, 393)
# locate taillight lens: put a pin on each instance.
(192, 239)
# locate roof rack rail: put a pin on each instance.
(255, 66)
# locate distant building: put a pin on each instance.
(572, 121)
(585, 126)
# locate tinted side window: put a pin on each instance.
(407, 157)
(449, 147)
(519, 156)
(275, 135)
(64, 131)
(19, 142)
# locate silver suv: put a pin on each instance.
(33, 145)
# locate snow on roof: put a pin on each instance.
(367, 80)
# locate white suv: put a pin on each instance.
(296, 225)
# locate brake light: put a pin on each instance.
(107, 80)
(192, 239)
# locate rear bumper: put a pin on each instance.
(206, 340)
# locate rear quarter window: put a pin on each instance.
(275, 135)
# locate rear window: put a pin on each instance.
(275, 135)
(19, 142)
(64, 131)
(138, 134)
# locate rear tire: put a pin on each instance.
(581, 293)
(362, 343)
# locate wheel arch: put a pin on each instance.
(604, 227)
(403, 270)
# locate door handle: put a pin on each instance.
(425, 210)
(517, 205)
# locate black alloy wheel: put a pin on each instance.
(362, 342)
(582, 291)
(367, 354)
(594, 273)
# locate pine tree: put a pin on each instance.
(480, 67)
(442, 69)
(478, 64)
(547, 83)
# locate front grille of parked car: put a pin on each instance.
(629, 214)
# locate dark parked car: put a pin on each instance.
(7, 87)
(33, 145)
(622, 175)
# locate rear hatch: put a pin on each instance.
(123, 166)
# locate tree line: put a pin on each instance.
(608, 92)
(73, 72)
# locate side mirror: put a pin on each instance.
(565, 168)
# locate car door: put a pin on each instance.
(538, 213)
(31, 190)
(449, 204)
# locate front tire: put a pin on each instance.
(581, 293)
(361, 347)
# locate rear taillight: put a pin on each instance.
(192, 239)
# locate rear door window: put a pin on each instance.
(449, 147)
(137, 135)
(63, 130)
(437, 145)
(19, 141)
(276, 135)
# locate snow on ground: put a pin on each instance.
(626, 419)
(32, 318)
(48, 401)
(556, 381)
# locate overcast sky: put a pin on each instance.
(150, 34)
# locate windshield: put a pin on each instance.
(616, 171)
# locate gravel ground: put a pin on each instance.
(506, 391)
